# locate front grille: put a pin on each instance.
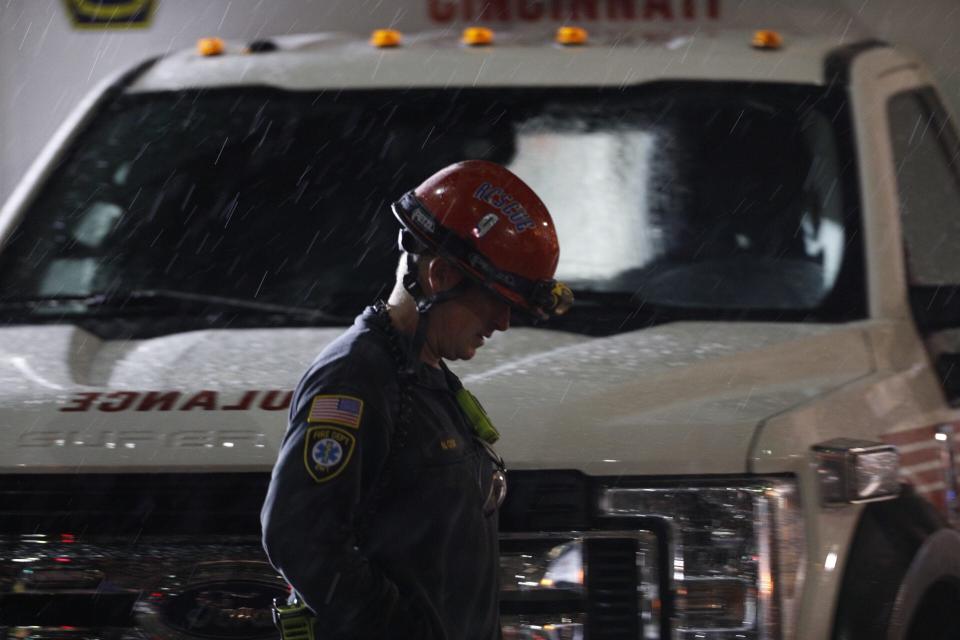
(597, 585)
(84, 609)
(568, 575)
(133, 504)
(547, 501)
(612, 579)
(122, 556)
(134, 556)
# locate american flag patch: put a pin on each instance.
(345, 410)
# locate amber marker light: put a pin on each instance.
(764, 39)
(210, 46)
(385, 38)
(568, 36)
(477, 36)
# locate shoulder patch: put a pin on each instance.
(345, 410)
(327, 451)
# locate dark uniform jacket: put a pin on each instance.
(378, 520)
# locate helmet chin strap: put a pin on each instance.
(424, 303)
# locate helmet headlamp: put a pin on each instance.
(553, 297)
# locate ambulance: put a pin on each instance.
(745, 427)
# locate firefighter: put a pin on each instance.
(382, 506)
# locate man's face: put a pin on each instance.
(463, 324)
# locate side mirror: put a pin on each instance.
(944, 348)
(935, 308)
(936, 311)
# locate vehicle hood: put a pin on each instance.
(675, 399)
(678, 398)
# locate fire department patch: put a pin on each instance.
(327, 451)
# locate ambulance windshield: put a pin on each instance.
(680, 199)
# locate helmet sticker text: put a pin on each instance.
(423, 220)
(506, 204)
(488, 270)
(486, 223)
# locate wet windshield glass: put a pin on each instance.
(691, 198)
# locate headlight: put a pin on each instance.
(737, 552)
(552, 583)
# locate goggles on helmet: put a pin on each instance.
(541, 298)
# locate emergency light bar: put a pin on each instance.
(385, 38)
(477, 36)
(210, 46)
(570, 36)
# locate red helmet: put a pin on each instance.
(495, 228)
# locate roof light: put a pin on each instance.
(261, 46)
(477, 36)
(571, 36)
(765, 39)
(210, 46)
(382, 38)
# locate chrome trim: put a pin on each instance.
(837, 470)
(948, 453)
(767, 618)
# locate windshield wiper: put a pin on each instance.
(123, 299)
(618, 300)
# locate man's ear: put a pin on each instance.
(442, 275)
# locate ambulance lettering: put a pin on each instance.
(116, 401)
(447, 11)
(130, 439)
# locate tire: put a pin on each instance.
(928, 603)
(887, 541)
(938, 617)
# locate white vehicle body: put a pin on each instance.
(677, 403)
